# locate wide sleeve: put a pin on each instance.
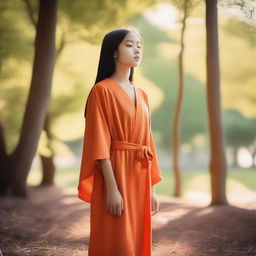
(96, 142)
(156, 175)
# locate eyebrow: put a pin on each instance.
(132, 41)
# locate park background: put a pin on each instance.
(79, 32)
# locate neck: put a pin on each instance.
(121, 73)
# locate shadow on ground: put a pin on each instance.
(52, 221)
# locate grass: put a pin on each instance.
(192, 180)
(200, 180)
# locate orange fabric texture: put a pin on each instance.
(117, 129)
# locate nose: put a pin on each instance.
(137, 49)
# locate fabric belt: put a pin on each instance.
(144, 155)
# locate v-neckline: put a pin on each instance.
(135, 105)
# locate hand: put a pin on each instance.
(154, 204)
(115, 203)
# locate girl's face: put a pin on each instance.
(129, 51)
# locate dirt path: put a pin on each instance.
(55, 222)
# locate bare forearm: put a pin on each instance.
(108, 174)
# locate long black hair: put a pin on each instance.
(106, 65)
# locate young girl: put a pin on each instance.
(119, 163)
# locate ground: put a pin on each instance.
(53, 221)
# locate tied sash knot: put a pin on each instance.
(144, 154)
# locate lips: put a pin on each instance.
(137, 57)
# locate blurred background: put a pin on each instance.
(80, 28)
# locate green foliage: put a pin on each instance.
(239, 130)
(241, 30)
(96, 17)
(14, 40)
(237, 77)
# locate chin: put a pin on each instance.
(135, 64)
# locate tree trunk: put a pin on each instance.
(176, 123)
(47, 161)
(48, 169)
(235, 157)
(3, 164)
(218, 164)
(38, 98)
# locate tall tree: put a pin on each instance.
(184, 6)
(47, 160)
(17, 165)
(218, 163)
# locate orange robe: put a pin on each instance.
(112, 116)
